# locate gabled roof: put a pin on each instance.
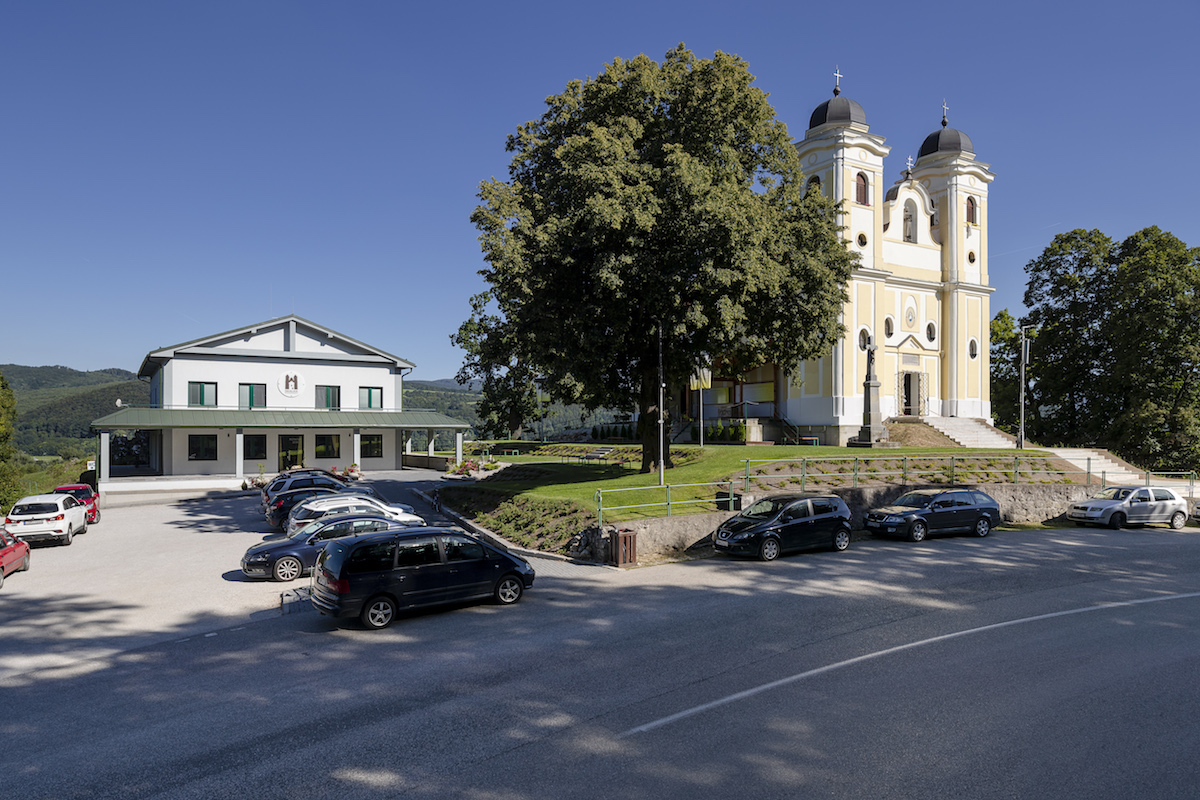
(153, 418)
(208, 345)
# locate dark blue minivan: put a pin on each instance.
(372, 577)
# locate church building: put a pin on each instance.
(919, 293)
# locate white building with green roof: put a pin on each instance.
(262, 398)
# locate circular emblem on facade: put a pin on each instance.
(972, 180)
(812, 159)
(291, 384)
(862, 154)
(910, 317)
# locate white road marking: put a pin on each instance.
(733, 698)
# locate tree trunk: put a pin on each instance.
(648, 421)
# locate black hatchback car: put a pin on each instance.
(289, 558)
(785, 522)
(373, 577)
(922, 512)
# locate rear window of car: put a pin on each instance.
(1163, 494)
(823, 505)
(372, 557)
(982, 499)
(34, 508)
(82, 493)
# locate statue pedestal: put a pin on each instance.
(873, 432)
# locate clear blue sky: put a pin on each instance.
(171, 170)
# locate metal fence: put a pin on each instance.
(690, 498)
(904, 469)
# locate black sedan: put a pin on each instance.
(288, 559)
(922, 512)
(785, 522)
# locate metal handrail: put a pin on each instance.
(668, 502)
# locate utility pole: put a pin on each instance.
(662, 387)
(1024, 361)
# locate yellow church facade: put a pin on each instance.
(919, 293)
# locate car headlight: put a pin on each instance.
(892, 519)
(738, 537)
(258, 557)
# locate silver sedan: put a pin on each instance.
(1118, 506)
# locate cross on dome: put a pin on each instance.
(837, 81)
(945, 109)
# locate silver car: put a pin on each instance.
(1117, 506)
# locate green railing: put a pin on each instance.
(905, 469)
(667, 501)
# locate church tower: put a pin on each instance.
(958, 186)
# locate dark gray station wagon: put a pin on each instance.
(372, 577)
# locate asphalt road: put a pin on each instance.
(1028, 664)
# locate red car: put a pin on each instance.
(14, 555)
(84, 494)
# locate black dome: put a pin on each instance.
(839, 109)
(946, 140)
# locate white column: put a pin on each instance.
(102, 477)
(357, 436)
(239, 452)
(458, 443)
(429, 442)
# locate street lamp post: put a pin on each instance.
(1024, 361)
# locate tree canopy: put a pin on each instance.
(654, 198)
(1116, 358)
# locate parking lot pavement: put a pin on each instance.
(162, 571)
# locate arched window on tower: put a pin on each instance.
(971, 218)
(813, 183)
(861, 190)
(910, 221)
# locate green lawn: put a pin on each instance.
(550, 473)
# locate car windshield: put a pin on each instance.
(1113, 493)
(764, 509)
(82, 492)
(913, 500)
(34, 508)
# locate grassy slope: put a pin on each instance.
(577, 483)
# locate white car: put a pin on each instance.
(348, 503)
(1117, 506)
(47, 516)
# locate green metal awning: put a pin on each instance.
(152, 418)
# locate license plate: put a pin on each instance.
(721, 543)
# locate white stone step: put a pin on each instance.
(1100, 464)
(970, 432)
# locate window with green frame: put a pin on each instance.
(202, 394)
(254, 446)
(372, 445)
(370, 397)
(329, 445)
(329, 397)
(252, 395)
(202, 447)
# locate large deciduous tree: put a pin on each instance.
(1067, 296)
(656, 198)
(8, 417)
(1005, 360)
(1155, 351)
(496, 360)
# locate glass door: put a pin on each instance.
(291, 451)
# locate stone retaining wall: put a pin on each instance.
(671, 537)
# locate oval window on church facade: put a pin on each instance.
(973, 349)
(931, 332)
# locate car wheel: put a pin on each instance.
(983, 527)
(841, 540)
(1, 578)
(508, 590)
(68, 536)
(1178, 520)
(97, 519)
(1116, 521)
(85, 524)
(25, 563)
(918, 531)
(769, 550)
(287, 569)
(379, 612)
